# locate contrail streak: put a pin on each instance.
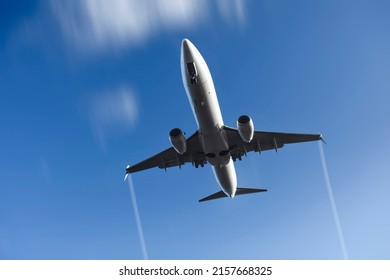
(137, 218)
(332, 201)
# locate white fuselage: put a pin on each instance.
(201, 93)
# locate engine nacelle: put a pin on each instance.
(178, 140)
(245, 128)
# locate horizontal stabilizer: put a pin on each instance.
(239, 191)
(216, 195)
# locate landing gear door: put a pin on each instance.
(193, 74)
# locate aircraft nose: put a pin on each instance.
(194, 69)
(185, 45)
(186, 50)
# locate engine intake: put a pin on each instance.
(245, 128)
(178, 140)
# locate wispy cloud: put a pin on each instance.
(233, 10)
(97, 24)
(113, 109)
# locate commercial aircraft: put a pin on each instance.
(213, 142)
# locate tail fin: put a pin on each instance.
(239, 191)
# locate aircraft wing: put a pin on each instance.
(263, 141)
(170, 158)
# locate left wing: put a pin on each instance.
(170, 158)
(263, 141)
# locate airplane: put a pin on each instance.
(214, 142)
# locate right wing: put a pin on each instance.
(264, 140)
(170, 158)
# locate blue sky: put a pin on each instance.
(87, 87)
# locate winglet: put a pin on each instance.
(127, 173)
(322, 139)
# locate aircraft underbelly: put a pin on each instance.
(209, 118)
(201, 93)
(205, 107)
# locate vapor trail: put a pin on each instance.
(332, 201)
(137, 218)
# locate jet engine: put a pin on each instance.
(178, 140)
(245, 128)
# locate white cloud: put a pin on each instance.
(97, 24)
(114, 109)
